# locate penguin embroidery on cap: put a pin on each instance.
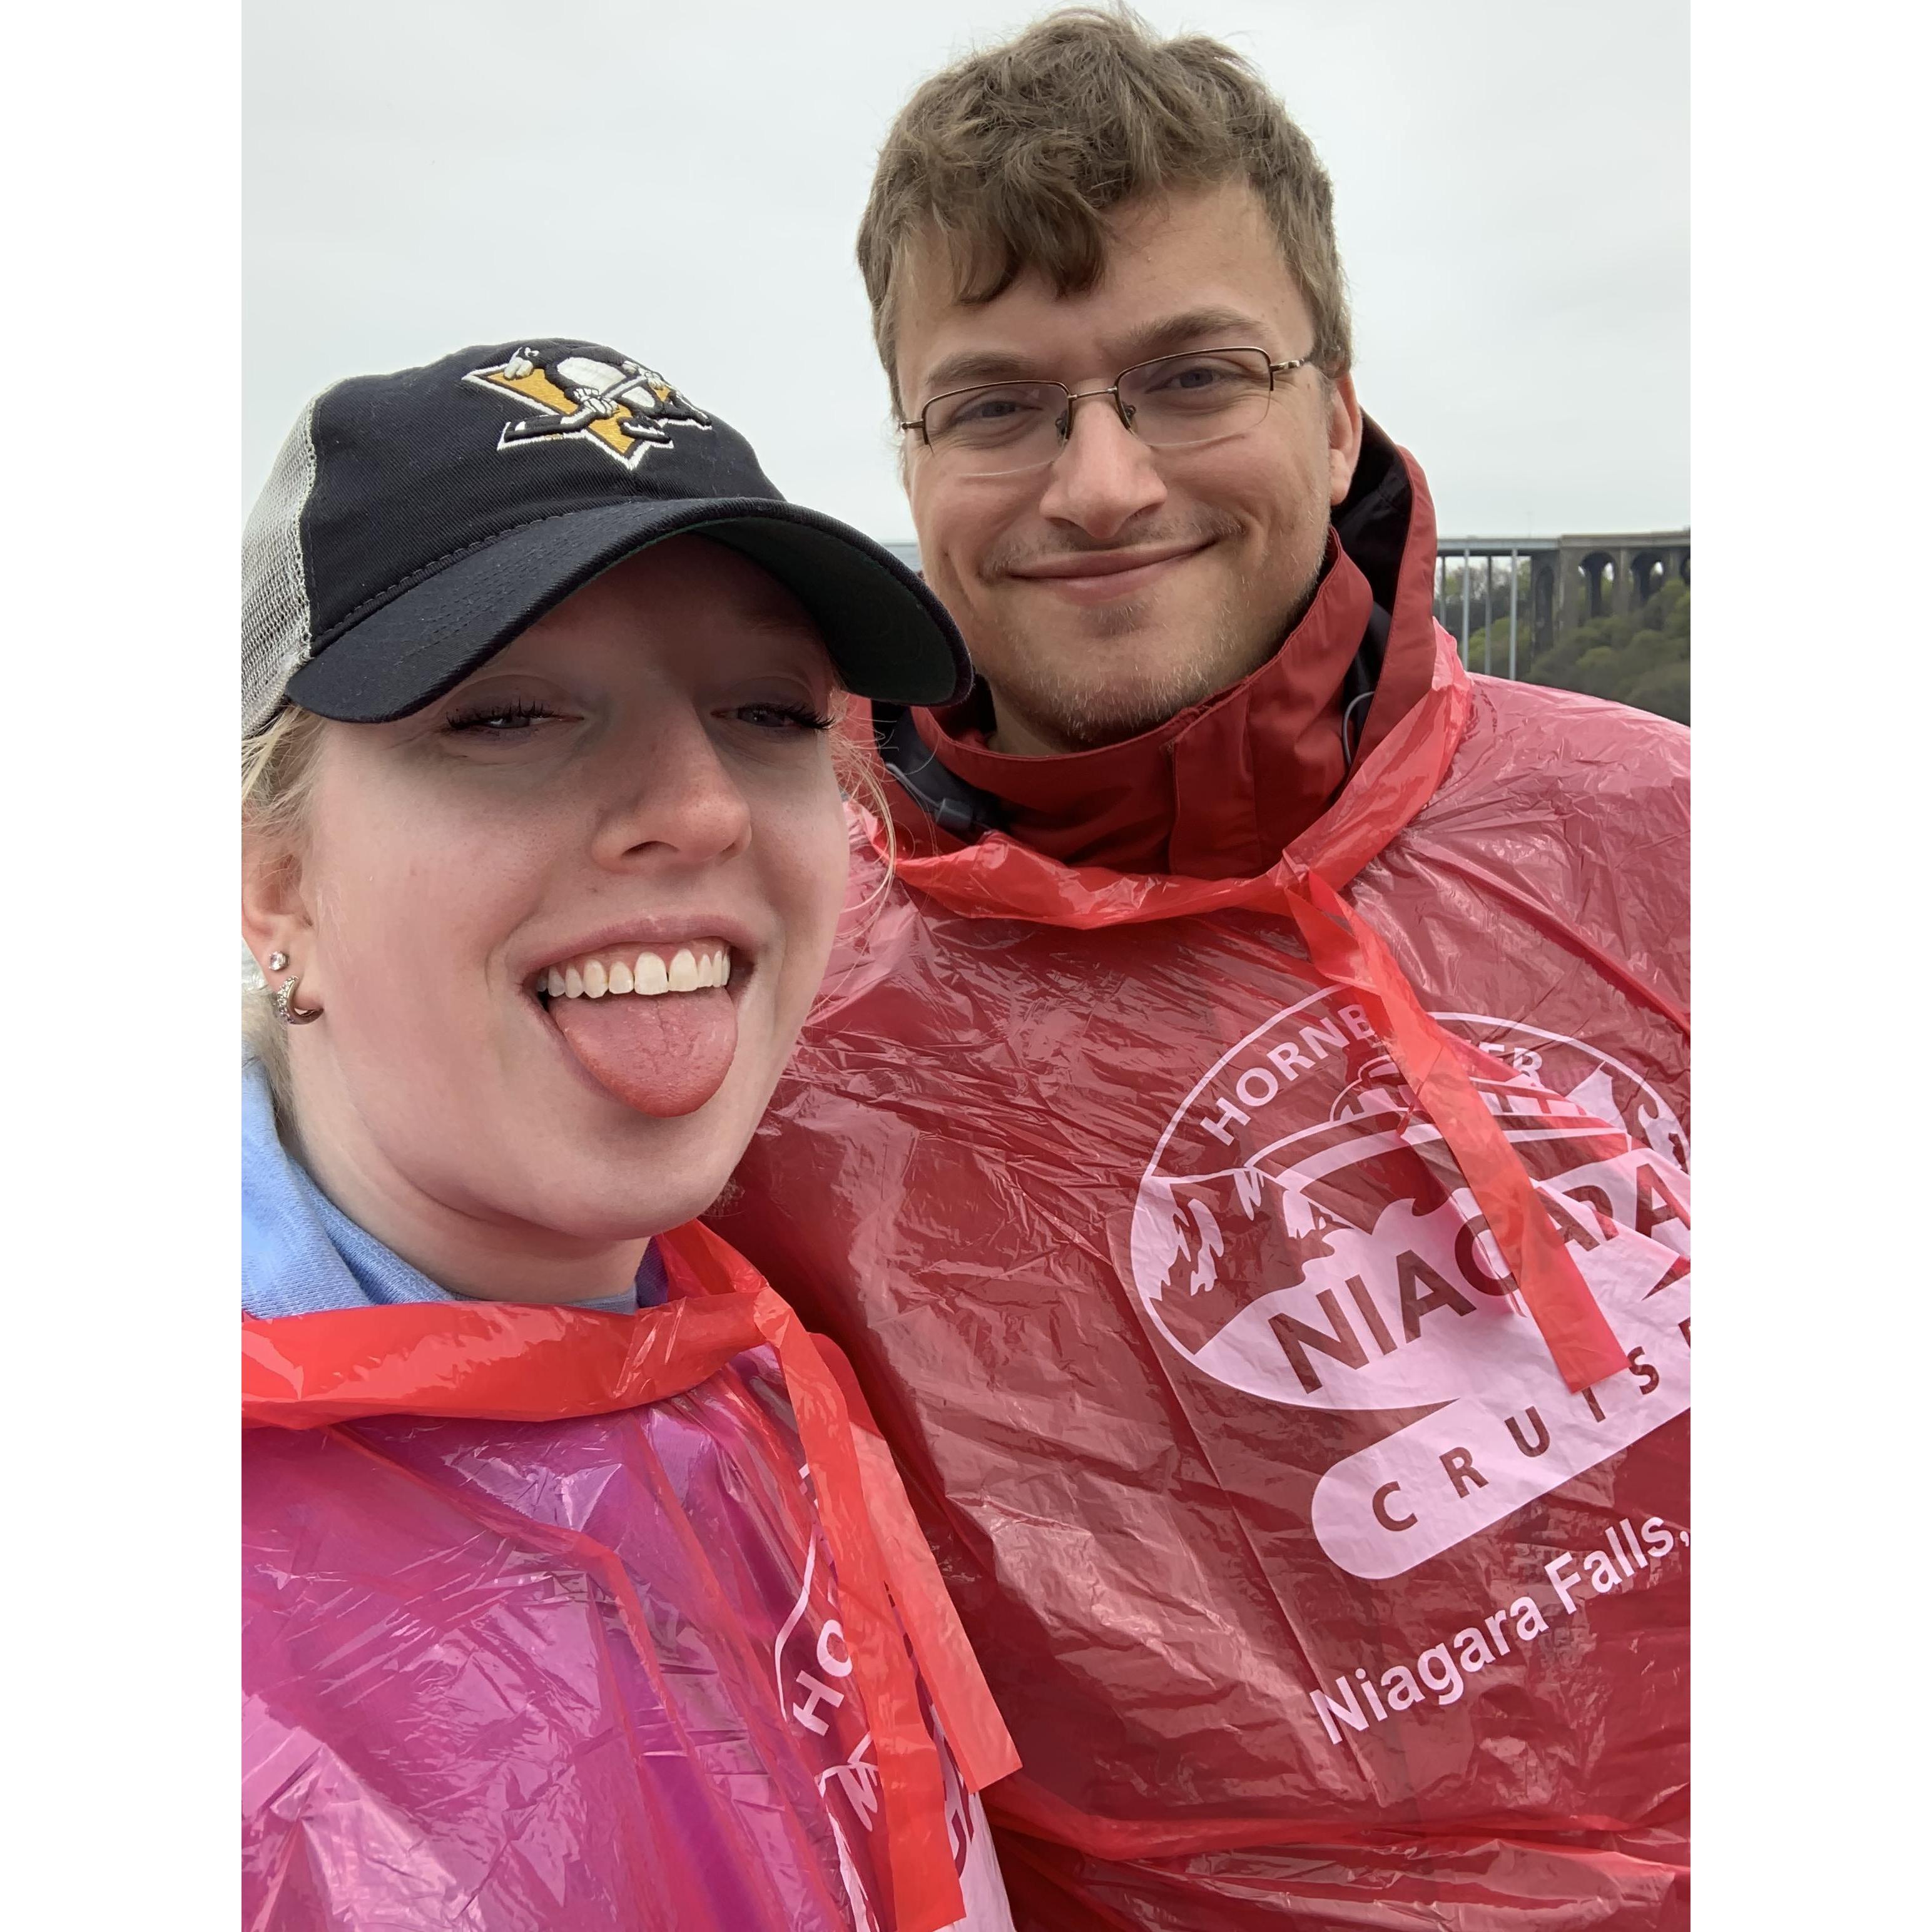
(622, 407)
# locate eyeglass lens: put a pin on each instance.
(1169, 403)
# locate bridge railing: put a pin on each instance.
(1489, 550)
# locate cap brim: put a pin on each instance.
(889, 636)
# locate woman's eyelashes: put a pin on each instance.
(499, 717)
(773, 716)
(502, 720)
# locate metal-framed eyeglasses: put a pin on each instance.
(1171, 402)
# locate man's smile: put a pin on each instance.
(1094, 577)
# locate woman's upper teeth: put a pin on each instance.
(683, 969)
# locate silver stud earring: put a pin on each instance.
(276, 960)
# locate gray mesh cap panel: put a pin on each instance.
(275, 585)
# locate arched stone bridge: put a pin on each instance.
(1572, 579)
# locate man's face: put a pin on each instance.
(1120, 584)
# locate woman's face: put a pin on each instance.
(638, 789)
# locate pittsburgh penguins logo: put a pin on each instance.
(622, 407)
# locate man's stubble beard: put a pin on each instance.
(1083, 714)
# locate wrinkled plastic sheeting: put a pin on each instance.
(540, 1677)
(1313, 1595)
(1448, 1883)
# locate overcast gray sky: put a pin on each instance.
(683, 181)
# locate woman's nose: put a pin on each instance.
(673, 795)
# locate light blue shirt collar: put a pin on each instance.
(300, 1254)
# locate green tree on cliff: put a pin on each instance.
(1643, 659)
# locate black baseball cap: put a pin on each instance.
(414, 523)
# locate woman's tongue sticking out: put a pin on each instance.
(663, 1052)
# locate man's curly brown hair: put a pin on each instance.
(1015, 156)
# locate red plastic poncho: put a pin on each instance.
(563, 1622)
(1275, 1289)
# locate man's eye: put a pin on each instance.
(1198, 376)
(989, 409)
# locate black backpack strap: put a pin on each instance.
(955, 807)
(1358, 687)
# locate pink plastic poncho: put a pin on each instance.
(564, 1622)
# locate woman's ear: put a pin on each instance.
(275, 918)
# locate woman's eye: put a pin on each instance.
(782, 718)
(496, 719)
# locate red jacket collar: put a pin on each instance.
(1220, 790)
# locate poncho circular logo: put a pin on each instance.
(1300, 1235)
